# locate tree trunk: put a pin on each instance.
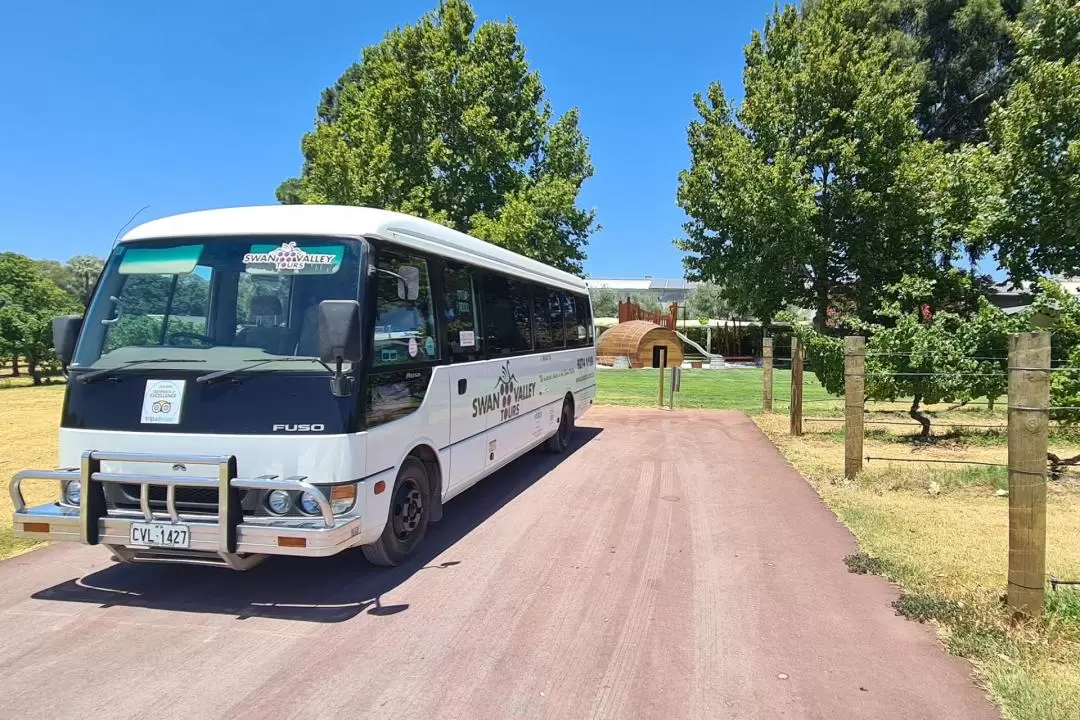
(916, 415)
(32, 368)
(14, 366)
(819, 318)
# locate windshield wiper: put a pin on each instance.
(105, 372)
(211, 377)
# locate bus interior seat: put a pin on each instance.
(266, 333)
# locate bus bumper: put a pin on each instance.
(228, 539)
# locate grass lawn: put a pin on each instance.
(29, 417)
(732, 389)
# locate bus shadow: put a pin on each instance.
(326, 590)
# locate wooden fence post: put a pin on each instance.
(660, 391)
(766, 374)
(1029, 416)
(854, 390)
(795, 407)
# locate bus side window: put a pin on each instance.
(464, 338)
(575, 333)
(506, 313)
(584, 319)
(542, 319)
(555, 312)
(404, 329)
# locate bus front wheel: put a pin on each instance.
(410, 511)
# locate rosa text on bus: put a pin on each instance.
(300, 380)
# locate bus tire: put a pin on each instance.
(410, 512)
(560, 441)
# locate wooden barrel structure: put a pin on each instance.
(638, 340)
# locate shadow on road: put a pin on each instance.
(332, 589)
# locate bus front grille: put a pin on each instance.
(188, 499)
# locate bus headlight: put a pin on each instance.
(308, 504)
(342, 498)
(73, 492)
(279, 502)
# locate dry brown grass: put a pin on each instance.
(29, 417)
(942, 533)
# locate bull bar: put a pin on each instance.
(229, 539)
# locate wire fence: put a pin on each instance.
(1027, 418)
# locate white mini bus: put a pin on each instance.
(303, 379)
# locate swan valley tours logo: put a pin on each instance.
(506, 398)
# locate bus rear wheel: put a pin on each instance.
(410, 511)
(560, 441)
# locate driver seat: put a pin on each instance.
(267, 335)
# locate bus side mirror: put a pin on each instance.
(339, 331)
(409, 284)
(65, 331)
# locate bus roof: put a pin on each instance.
(349, 221)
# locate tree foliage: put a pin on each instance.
(28, 303)
(927, 357)
(1035, 132)
(966, 47)
(76, 277)
(445, 120)
(605, 302)
(819, 187)
(921, 355)
(707, 300)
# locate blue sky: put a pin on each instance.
(111, 106)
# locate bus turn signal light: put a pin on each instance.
(35, 527)
(343, 492)
(379, 487)
(293, 542)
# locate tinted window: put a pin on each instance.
(404, 329)
(555, 313)
(542, 319)
(506, 315)
(575, 334)
(584, 319)
(463, 335)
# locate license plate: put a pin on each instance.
(164, 535)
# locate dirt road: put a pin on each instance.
(673, 566)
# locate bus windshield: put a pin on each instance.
(219, 303)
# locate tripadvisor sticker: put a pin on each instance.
(162, 402)
(292, 260)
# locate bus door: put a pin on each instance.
(468, 375)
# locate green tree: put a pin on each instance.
(920, 354)
(605, 303)
(445, 120)
(965, 47)
(818, 189)
(1036, 134)
(646, 301)
(28, 303)
(707, 300)
(76, 277)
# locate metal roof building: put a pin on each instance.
(666, 290)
